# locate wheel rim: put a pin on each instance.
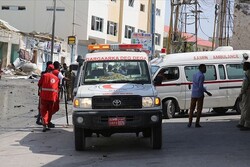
(171, 107)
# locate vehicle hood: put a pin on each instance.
(116, 89)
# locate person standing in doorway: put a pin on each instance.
(244, 98)
(197, 96)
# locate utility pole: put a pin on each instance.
(225, 21)
(222, 21)
(153, 26)
(73, 34)
(53, 31)
(176, 26)
(215, 17)
(228, 23)
(170, 28)
(196, 25)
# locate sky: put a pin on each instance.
(206, 26)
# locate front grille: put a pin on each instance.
(116, 102)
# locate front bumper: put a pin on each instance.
(134, 119)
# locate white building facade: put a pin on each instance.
(91, 21)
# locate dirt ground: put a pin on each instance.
(18, 104)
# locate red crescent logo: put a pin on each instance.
(107, 86)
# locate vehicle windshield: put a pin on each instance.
(126, 71)
(154, 68)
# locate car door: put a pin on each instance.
(171, 85)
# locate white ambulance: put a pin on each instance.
(115, 94)
(223, 79)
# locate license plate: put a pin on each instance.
(118, 121)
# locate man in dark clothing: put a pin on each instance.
(198, 95)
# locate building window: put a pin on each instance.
(157, 12)
(157, 39)
(13, 8)
(142, 7)
(96, 23)
(128, 31)
(112, 28)
(141, 31)
(51, 8)
(131, 3)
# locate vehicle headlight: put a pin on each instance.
(151, 101)
(147, 102)
(83, 102)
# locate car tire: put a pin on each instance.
(237, 106)
(220, 110)
(146, 133)
(169, 109)
(156, 137)
(80, 139)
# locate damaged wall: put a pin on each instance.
(241, 35)
(7, 40)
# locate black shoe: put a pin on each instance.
(197, 125)
(189, 124)
(39, 123)
(47, 127)
(244, 128)
(44, 128)
(239, 126)
(51, 125)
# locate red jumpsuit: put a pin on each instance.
(49, 94)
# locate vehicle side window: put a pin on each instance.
(169, 74)
(211, 73)
(191, 70)
(222, 72)
(235, 71)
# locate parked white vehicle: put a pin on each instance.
(223, 79)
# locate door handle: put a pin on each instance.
(178, 84)
(189, 86)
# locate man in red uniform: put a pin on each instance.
(38, 116)
(49, 95)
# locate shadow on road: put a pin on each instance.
(213, 143)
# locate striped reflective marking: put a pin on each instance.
(49, 89)
(206, 82)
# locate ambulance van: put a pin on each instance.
(116, 95)
(223, 79)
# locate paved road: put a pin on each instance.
(22, 144)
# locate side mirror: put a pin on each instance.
(158, 80)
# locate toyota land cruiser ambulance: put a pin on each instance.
(116, 95)
(223, 79)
